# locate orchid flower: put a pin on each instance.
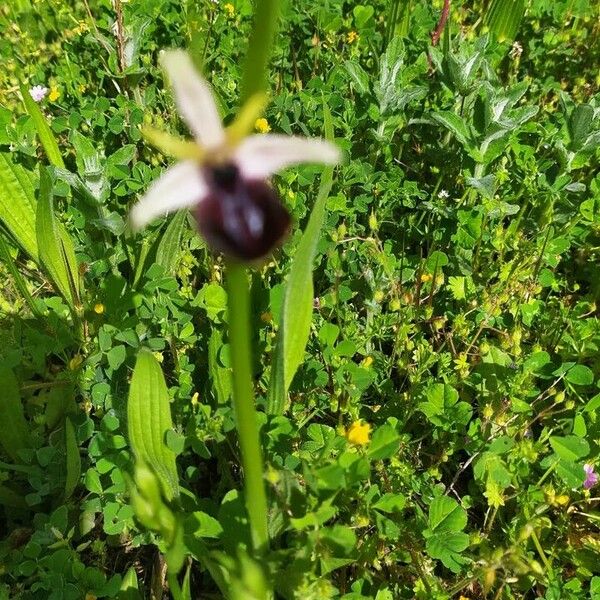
(223, 174)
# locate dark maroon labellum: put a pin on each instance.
(241, 218)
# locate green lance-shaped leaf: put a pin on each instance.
(43, 130)
(149, 418)
(17, 204)
(170, 243)
(56, 249)
(504, 18)
(456, 125)
(73, 459)
(220, 375)
(14, 431)
(297, 306)
(129, 587)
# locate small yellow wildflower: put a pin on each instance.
(99, 308)
(229, 9)
(425, 277)
(351, 37)
(262, 125)
(81, 88)
(358, 433)
(463, 598)
(273, 476)
(195, 399)
(80, 28)
(54, 94)
(367, 362)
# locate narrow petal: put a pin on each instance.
(259, 156)
(194, 98)
(171, 145)
(181, 186)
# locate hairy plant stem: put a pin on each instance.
(238, 301)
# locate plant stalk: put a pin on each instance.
(260, 47)
(238, 301)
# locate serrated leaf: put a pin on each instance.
(14, 430)
(442, 407)
(447, 547)
(73, 459)
(149, 418)
(43, 130)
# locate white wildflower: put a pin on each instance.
(38, 92)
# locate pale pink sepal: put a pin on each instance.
(180, 186)
(259, 156)
(194, 99)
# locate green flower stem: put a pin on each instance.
(254, 80)
(238, 301)
(260, 47)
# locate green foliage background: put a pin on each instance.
(456, 289)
